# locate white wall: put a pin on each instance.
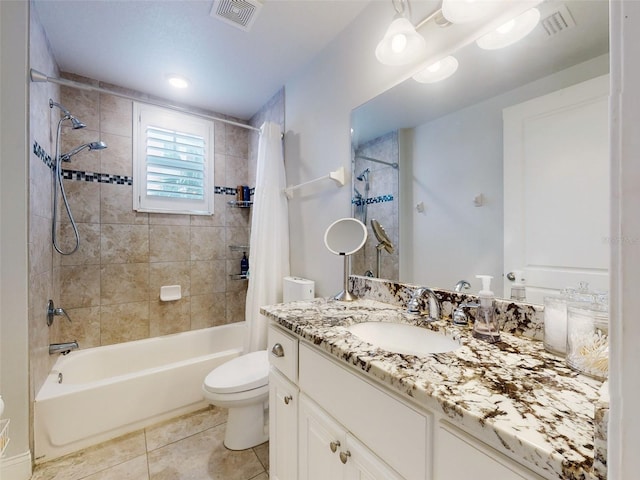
(14, 30)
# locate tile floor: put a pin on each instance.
(185, 448)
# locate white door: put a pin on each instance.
(283, 428)
(556, 189)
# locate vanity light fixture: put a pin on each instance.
(401, 43)
(437, 71)
(467, 11)
(512, 31)
(177, 81)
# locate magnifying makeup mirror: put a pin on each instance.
(345, 237)
(385, 243)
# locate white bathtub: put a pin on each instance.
(112, 390)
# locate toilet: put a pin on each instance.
(242, 384)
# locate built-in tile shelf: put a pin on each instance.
(239, 276)
(239, 248)
(240, 203)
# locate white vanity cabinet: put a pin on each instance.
(328, 451)
(330, 423)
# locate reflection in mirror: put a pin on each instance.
(444, 207)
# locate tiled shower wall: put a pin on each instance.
(382, 204)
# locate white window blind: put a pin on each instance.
(173, 160)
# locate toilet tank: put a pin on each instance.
(296, 288)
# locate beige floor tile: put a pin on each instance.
(135, 469)
(185, 426)
(203, 457)
(262, 476)
(92, 460)
(262, 451)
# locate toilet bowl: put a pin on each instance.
(242, 386)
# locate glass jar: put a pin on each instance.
(555, 324)
(588, 339)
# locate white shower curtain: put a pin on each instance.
(269, 243)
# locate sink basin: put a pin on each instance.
(403, 338)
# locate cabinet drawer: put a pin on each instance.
(395, 432)
(283, 352)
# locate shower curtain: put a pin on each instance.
(269, 242)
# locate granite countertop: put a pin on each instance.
(512, 395)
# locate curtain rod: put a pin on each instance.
(371, 159)
(37, 76)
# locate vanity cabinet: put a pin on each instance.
(328, 451)
(327, 422)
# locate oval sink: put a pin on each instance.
(403, 338)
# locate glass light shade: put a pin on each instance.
(401, 44)
(466, 11)
(511, 32)
(437, 71)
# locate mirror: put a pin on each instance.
(435, 164)
(345, 237)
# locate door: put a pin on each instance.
(556, 189)
(283, 428)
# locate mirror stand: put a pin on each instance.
(345, 295)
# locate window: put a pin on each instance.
(172, 162)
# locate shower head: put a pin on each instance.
(381, 235)
(91, 146)
(364, 176)
(75, 123)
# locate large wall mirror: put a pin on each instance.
(501, 167)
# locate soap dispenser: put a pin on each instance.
(486, 324)
(244, 264)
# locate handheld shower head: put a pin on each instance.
(75, 123)
(91, 146)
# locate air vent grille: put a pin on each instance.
(558, 21)
(239, 13)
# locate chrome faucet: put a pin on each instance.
(434, 303)
(462, 284)
(63, 348)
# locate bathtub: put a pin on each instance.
(109, 391)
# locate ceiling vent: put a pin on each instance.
(558, 21)
(239, 13)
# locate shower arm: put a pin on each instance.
(371, 159)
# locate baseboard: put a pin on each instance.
(17, 467)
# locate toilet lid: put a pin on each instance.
(240, 374)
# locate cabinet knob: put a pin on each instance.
(334, 446)
(344, 456)
(277, 350)
(287, 399)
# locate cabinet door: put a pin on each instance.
(321, 440)
(362, 464)
(459, 456)
(283, 427)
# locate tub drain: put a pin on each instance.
(60, 377)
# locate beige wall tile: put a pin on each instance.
(124, 283)
(84, 200)
(116, 115)
(237, 139)
(88, 252)
(236, 171)
(237, 217)
(169, 219)
(234, 284)
(169, 242)
(124, 243)
(79, 286)
(40, 291)
(169, 317)
(82, 104)
(116, 205)
(208, 243)
(208, 276)
(220, 170)
(85, 160)
(169, 273)
(40, 251)
(117, 158)
(84, 327)
(124, 322)
(237, 236)
(40, 186)
(236, 306)
(208, 310)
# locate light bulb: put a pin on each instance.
(437, 71)
(507, 27)
(399, 43)
(435, 67)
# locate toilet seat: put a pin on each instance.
(241, 374)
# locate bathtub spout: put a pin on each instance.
(62, 348)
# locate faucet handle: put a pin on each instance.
(52, 311)
(414, 306)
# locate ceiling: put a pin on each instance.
(136, 43)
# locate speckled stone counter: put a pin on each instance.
(512, 395)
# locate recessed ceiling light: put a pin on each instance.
(177, 81)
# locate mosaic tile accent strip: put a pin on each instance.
(369, 201)
(83, 176)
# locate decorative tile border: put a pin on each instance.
(379, 199)
(106, 177)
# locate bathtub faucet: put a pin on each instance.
(62, 348)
